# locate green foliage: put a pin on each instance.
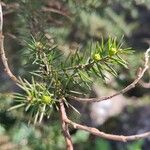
(36, 99)
(58, 72)
(62, 76)
(102, 145)
(2, 129)
(40, 138)
(80, 136)
(135, 145)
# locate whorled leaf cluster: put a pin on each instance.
(57, 76)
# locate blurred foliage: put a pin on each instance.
(74, 24)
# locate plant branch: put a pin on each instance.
(86, 65)
(69, 145)
(2, 51)
(130, 86)
(12, 7)
(107, 136)
(49, 9)
(144, 84)
(80, 66)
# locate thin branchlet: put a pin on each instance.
(111, 55)
(124, 90)
(2, 51)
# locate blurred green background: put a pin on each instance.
(75, 24)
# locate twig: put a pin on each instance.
(130, 86)
(144, 84)
(12, 7)
(107, 136)
(64, 119)
(1, 18)
(2, 51)
(69, 145)
(48, 9)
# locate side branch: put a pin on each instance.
(49, 9)
(144, 84)
(113, 137)
(2, 51)
(130, 86)
(69, 145)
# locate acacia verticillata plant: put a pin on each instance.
(58, 78)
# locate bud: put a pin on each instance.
(39, 45)
(97, 57)
(46, 99)
(112, 51)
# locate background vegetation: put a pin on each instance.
(74, 24)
